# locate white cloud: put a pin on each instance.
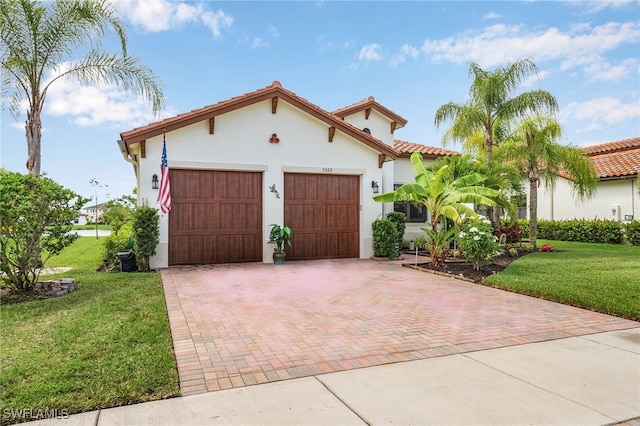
(216, 22)
(401, 57)
(163, 15)
(329, 45)
(93, 105)
(258, 42)
(601, 112)
(273, 31)
(498, 44)
(598, 5)
(492, 15)
(604, 71)
(370, 52)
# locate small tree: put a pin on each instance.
(36, 215)
(119, 211)
(146, 234)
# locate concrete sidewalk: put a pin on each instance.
(592, 379)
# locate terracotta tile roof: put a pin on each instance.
(370, 102)
(407, 148)
(616, 159)
(275, 90)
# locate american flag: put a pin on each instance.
(164, 194)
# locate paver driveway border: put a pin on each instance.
(235, 325)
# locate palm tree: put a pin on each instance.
(38, 40)
(491, 102)
(534, 149)
(443, 195)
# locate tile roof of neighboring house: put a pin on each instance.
(407, 148)
(371, 103)
(616, 159)
(273, 92)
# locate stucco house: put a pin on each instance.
(93, 212)
(265, 157)
(617, 165)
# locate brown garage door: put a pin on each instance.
(216, 217)
(323, 213)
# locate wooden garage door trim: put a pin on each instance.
(216, 216)
(323, 211)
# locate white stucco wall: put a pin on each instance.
(378, 124)
(241, 142)
(562, 204)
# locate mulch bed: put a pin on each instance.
(464, 270)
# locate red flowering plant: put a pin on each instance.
(546, 247)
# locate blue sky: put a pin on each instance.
(411, 56)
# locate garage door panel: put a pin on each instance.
(216, 217)
(323, 212)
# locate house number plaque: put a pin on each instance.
(327, 170)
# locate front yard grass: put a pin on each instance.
(600, 277)
(106, 344)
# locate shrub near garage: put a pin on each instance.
(385, 236)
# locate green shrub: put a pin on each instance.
(581, 230)
(385, 236)
(146, 235)
(35, 219)
(399, 219)
(632, 231)
(477, 240)
(114, 243)
(523, 224)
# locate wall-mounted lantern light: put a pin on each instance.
(375, 187)
(154, 182)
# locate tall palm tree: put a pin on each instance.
(38, 40)
(535, 150)
(491, 101)
(443, 194)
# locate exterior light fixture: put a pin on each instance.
(154, 181)
(375, 187)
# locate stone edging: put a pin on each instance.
(55, 288)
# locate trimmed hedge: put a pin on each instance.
(399, 219)
(579, 230)
(632, 231)
(385, 236)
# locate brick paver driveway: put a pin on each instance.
(242, 324)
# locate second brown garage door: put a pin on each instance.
(323, 213)
(216, 217)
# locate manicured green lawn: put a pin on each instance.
(104, 345)
(601, 277)
(100, 226)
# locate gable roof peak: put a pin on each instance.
(276, 83)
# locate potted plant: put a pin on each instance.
(280, 235)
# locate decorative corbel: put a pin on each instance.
(381, 158)
(393, 126)
(212, 122)
(367, 112)
(274, 104)
(143, 149)
(332, 132)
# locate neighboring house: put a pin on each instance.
(266, 157)
(617, 165)
(80, 220)
(94, 212)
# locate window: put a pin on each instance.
(416, 213)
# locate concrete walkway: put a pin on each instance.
(588, 380)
